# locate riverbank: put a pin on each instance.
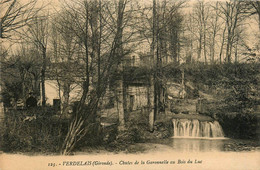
(242, 145)
(169, 144)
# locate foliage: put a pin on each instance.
(131, 134)
(93, 137)
(33, 131)
(137, 74)
(215, 74)
(20, 75)
(241, 125)
(137, 130)
(234, 86)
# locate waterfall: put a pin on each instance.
(196, 129)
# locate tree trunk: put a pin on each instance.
(77, 128)
(152, 112)
(204, 47)
(43, 76)
(200, 46)
(120, 106)
(155, 101)
(222, 45)
(228, 48)
(119, 52)
(66, 96)
(204, 33)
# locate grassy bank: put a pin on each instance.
(32, 131)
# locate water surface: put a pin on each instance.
(208, 145)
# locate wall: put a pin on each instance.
(52, 91)
(139, 94)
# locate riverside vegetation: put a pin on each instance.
(235, 109)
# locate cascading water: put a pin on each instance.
(185, 128)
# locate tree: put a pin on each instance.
(214, 29)
(233, 16)
(21, 74)
(15, 15)
(250, 8)
(256, 6)
(119, 55)
(200, 16)
(37, 34)
(111, 54)
(65, 67)
(160, 28)
(190, 35)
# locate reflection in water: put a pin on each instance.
(209, 144)
(194, 145)
(197, 145)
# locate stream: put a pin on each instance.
(208, 145)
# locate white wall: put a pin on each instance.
(52, 91)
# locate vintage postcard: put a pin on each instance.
(129, 84)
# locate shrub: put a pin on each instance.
(239, 125)
(38, 133)
(93, 137)
(137, 130)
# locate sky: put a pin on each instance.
(252, 29)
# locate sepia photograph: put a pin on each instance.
(129, 84)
